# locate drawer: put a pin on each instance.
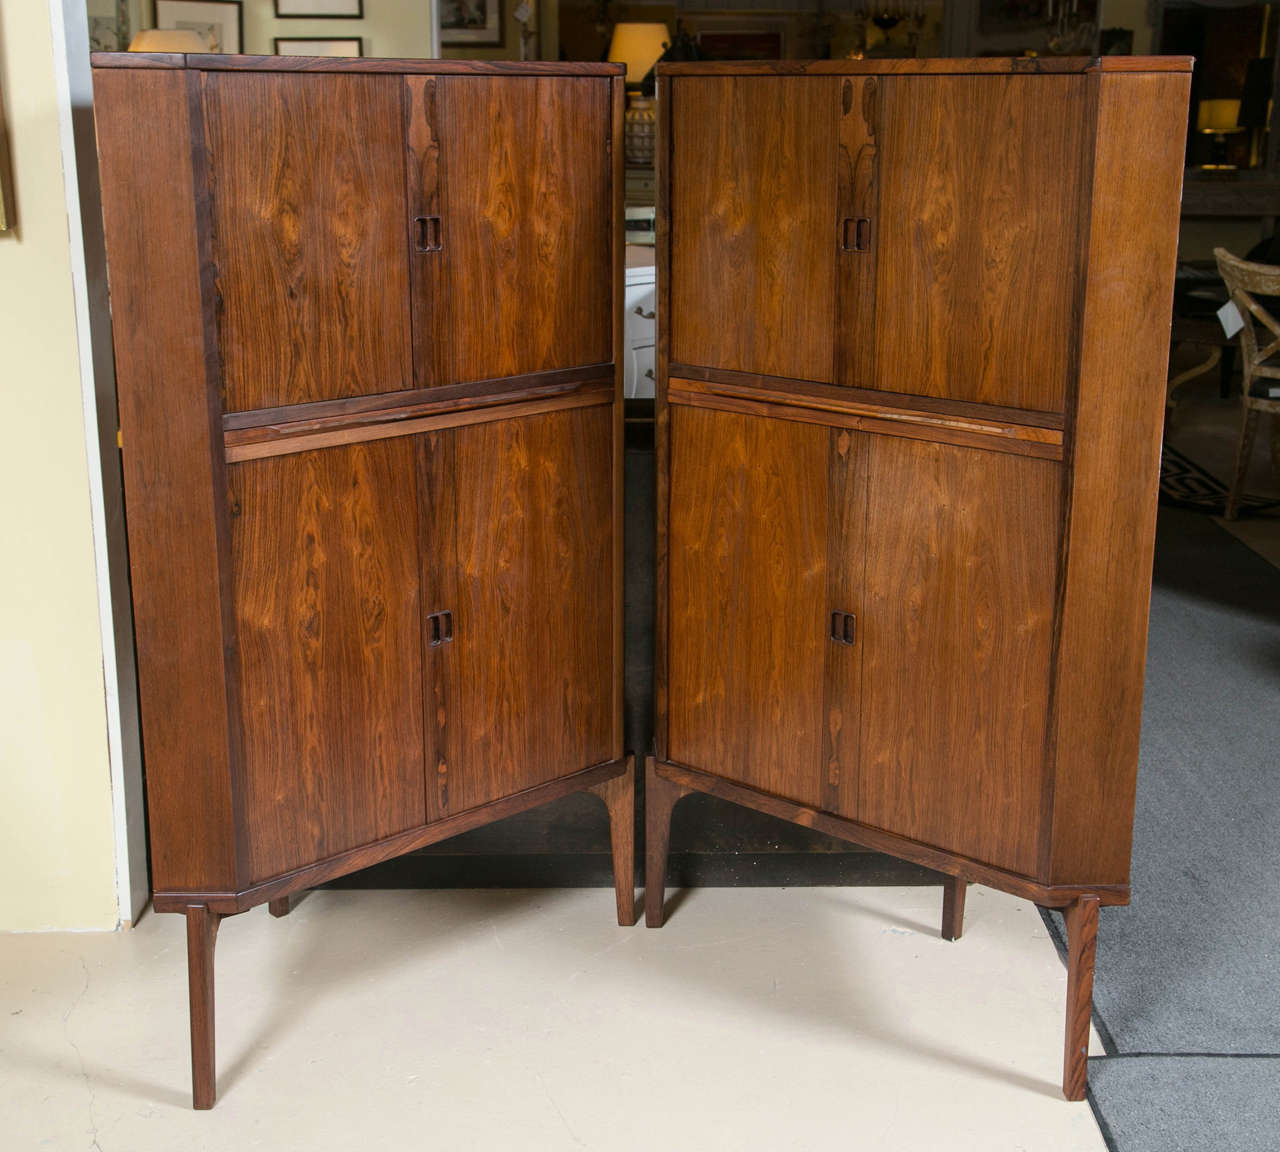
(638, 375)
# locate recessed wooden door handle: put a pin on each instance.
(429, 233)
(844, 627)
(439, 628)
(855, 234)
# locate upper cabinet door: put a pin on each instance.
(978, 245)
(753, 206)
(523, 231)
(308, 219)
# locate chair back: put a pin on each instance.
(1246, 280)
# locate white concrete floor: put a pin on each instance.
(770, 1019)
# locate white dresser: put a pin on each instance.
(640, 330)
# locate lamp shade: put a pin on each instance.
(168, 40)
(638, 46)
(1218, 116)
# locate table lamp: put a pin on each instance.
(1219, 119)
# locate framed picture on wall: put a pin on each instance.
(319, 9)
(219, 22)
(471, 22)
(319, 46)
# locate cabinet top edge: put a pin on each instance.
(212, 62)
(986, 65)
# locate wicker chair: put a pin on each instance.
(1244, 281)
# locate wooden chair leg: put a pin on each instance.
(953, 893)
(202, 933)
(660, 796)
(1248, 428)
(281, 907)
(619, 796)
(1082, 939)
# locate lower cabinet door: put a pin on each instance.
(747, 595)
(325, 569)
(958, 600)
(528, 676)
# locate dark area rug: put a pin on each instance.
(1187, 991)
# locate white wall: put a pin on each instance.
(57, 854)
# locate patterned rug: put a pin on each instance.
(1184, 484)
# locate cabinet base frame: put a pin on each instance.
(666, 783)
(613, 782)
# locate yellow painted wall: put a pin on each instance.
(57, 855)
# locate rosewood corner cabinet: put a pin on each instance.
(367, 319)
(913, 333)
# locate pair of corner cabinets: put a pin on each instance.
(912, 344)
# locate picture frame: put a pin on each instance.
(220, 22)
(319, 10)
(471, 22)
(319, 46)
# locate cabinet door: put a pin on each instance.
(961, 559)
(308, 218)
(978, 249)
(325, 562)
(753, 224)
(747, 599)
(531, 662)
(526, 225)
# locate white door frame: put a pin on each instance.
(74, 84)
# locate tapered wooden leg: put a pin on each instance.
(953, 891)
(1082, 939)
(1248, 428)
(619, 796)
(660, 796)
(281, 907)
(202, 932)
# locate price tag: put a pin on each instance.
(1230, 318)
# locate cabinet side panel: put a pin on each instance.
(1115, 450)
(977, 252)
(527, 223)
(962, 553)
(325, 548)
(533, 626)
(748, 599)
(170, 444)
(753, 196)
(308, 176)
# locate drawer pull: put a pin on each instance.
(639, 311)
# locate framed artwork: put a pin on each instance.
(471, 22)
(319, 9)
(220, 22)
(319, 46)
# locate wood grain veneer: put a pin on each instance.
(172, 471)
(958, 598)
(325, 558)
(765, 241)
(932, 443)
(748, 598)
(527, 217)
(371, 423)
(307, 177)
(979, 211)
(1115, 465)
